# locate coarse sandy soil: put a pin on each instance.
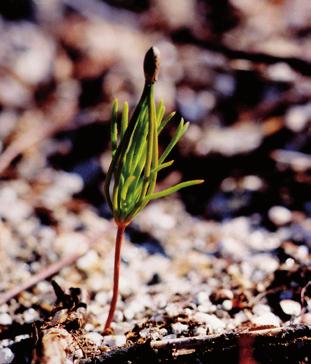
(218, 273)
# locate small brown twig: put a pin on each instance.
(25, 142)
(206, 347)
(196, 341)
(46, 273)
(60, 116)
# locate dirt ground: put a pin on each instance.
(216, 273)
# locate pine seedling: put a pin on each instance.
(132, 175)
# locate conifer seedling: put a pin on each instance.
(132, 175)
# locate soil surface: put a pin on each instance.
(217, 273)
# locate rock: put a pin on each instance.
(101, 298)
(261, 309)
(95, 337)
(179, 328)
(31, 52)
(266, 319)
(280, 215)
(30, 315)
(203, 298)
(144, 333)
(297, 117)
(114, 340)
(12, 93)
(176, 14)
(172, 310)
(88, 262)
(281, 72)
(212, 321)
(68, 243)
(291, 307)
(5, 319)
(227, 140)
(227, 305)
(207, 308)
(11, 207)
(63, 187)
(200, 331)
(6, 356)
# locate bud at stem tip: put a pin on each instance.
(152, 65)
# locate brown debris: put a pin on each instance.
(62, 335)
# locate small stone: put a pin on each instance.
(179, 328)
(88, 262)
(261, 309)
(199, 331)
(95, 337)
(96, 282)
(266, 319)
(6, 356)
(132, 309)
(69, 242)
(252, 183)
(239, 318)
(172, 310)
(163, 331)
(306, 318)
(30, 315)
(118, 316)
(101, 298)
(144, 333)
(297, 117)
(5, 319)
(212, 321)
(155, 335)
(280, 215)
(281, 72)
(227, 305)
(202, 297)
(169, 337)
(207, 308)
(114, 340)
(291, 307)
(43, 287)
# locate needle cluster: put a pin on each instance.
(132, 175)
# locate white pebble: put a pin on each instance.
(297, 117)
(280, 215)
(6, 356)
(291, 307)
(101, 298)
(179, 328)
(202, 297)
(115, 340)
(227, 305)
(88, 262)
(5, 319)
(261, 309)
(95, 337)
(252, 183)
(266, 319)
(144, 333)
(212, 321)
(207, 308)
(43, 287)
(30, 315)
(172, 310)
(200, 331)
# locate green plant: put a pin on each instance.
(132, 175)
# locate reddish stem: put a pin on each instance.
(117, 255)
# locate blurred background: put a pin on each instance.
(234, 249)
(239, 71)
